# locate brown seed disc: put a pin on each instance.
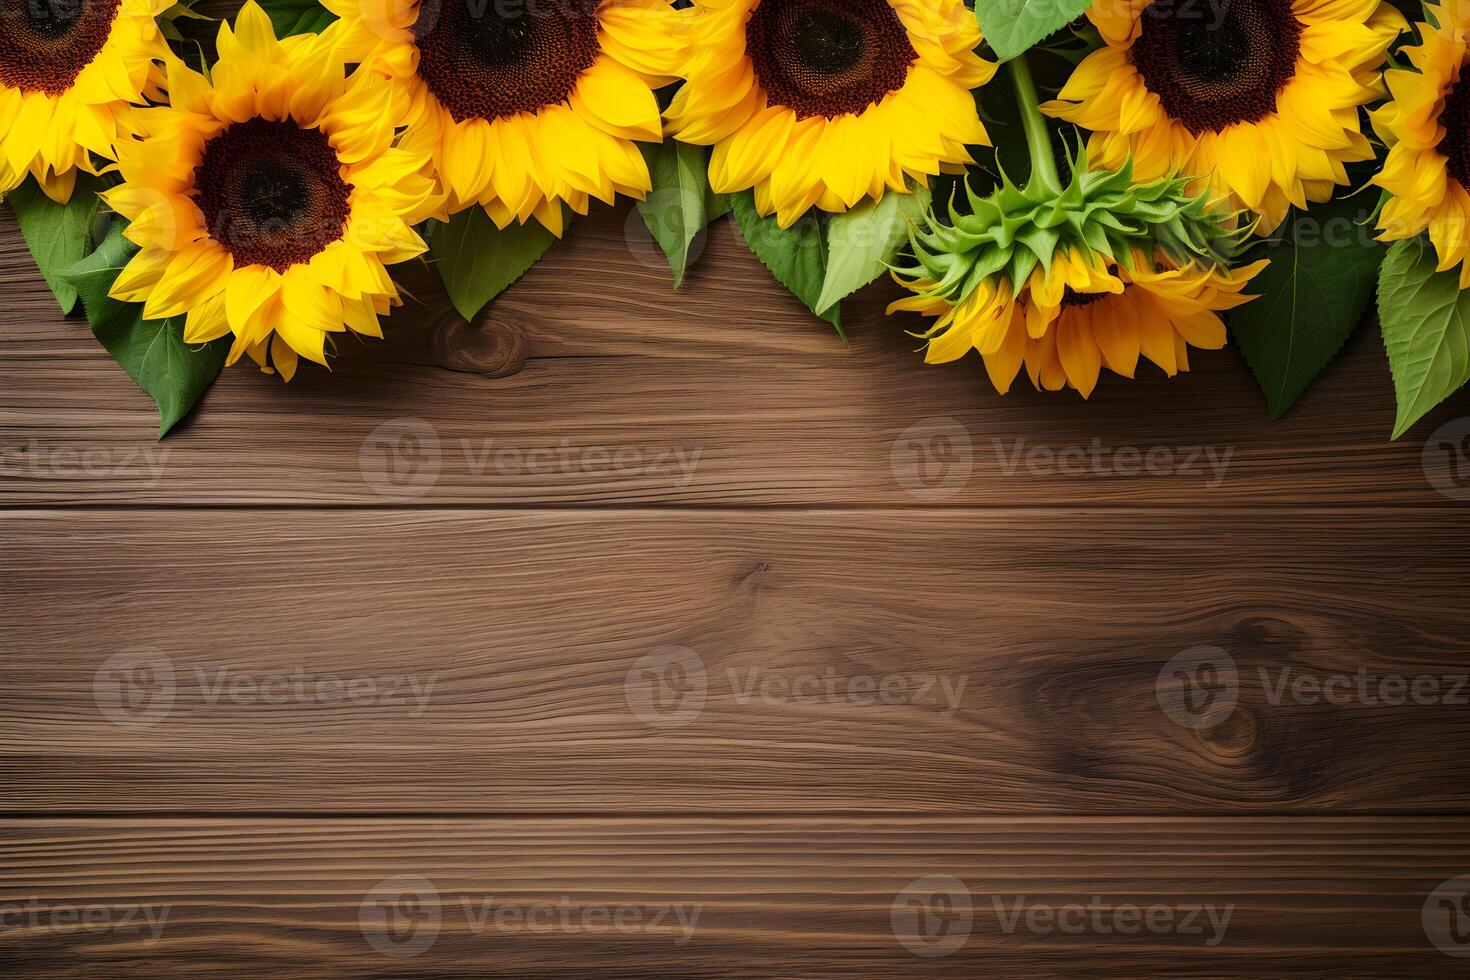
(828, 57)
(490, 59)
(1213, 65)
(45, 44)
(272, 192)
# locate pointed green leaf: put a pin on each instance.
(1311, 297)
(153, 352)
(861, 242)
(182, 10)
(58, 235)
(478, 261)
(1012, 26)
(680, 204)
(1426, 329)
(290, 17)
(796, 256)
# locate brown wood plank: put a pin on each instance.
(1022, 650)
(593, 382)
(774, 897)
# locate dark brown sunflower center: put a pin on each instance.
(45, 44)
(1455, 118)
(828, 57)
(1214, 64)
(490, 59)
(1070, 297)
(272, 193)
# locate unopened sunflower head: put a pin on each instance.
(1069, 282)
(1103, 212)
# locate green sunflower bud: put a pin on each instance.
(1102, 212)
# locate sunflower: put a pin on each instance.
(1427, 128)
(1081, 315)
(70, 72)
(268, 198)
(523, 106)
(1258, 98)
(828, 102)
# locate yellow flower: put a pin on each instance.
(828, 102)
(268, 198)
(1082, 315)
(70, 71)
(1259, 98)
(1427, 127)
(523, 106)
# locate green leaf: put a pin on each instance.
(1426, 328)
(796, 256)
(1309, 299)
(861, 242)
(478, 261)
(168, 21)
(58, 235)
(290, 17)
(1012, 26)
(716, 206)
(681, 203)
(153, 352)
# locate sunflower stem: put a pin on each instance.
(1038, 140)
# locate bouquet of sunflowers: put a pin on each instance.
(1064, 187)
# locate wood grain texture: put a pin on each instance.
(411, 619)
(592, 358)
(1024, 650)
(783, 897)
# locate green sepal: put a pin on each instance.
(1013, 229)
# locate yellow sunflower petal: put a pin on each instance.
(1273, 130)
(801, 147)
(255, 265)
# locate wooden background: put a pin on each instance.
(721, 478)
